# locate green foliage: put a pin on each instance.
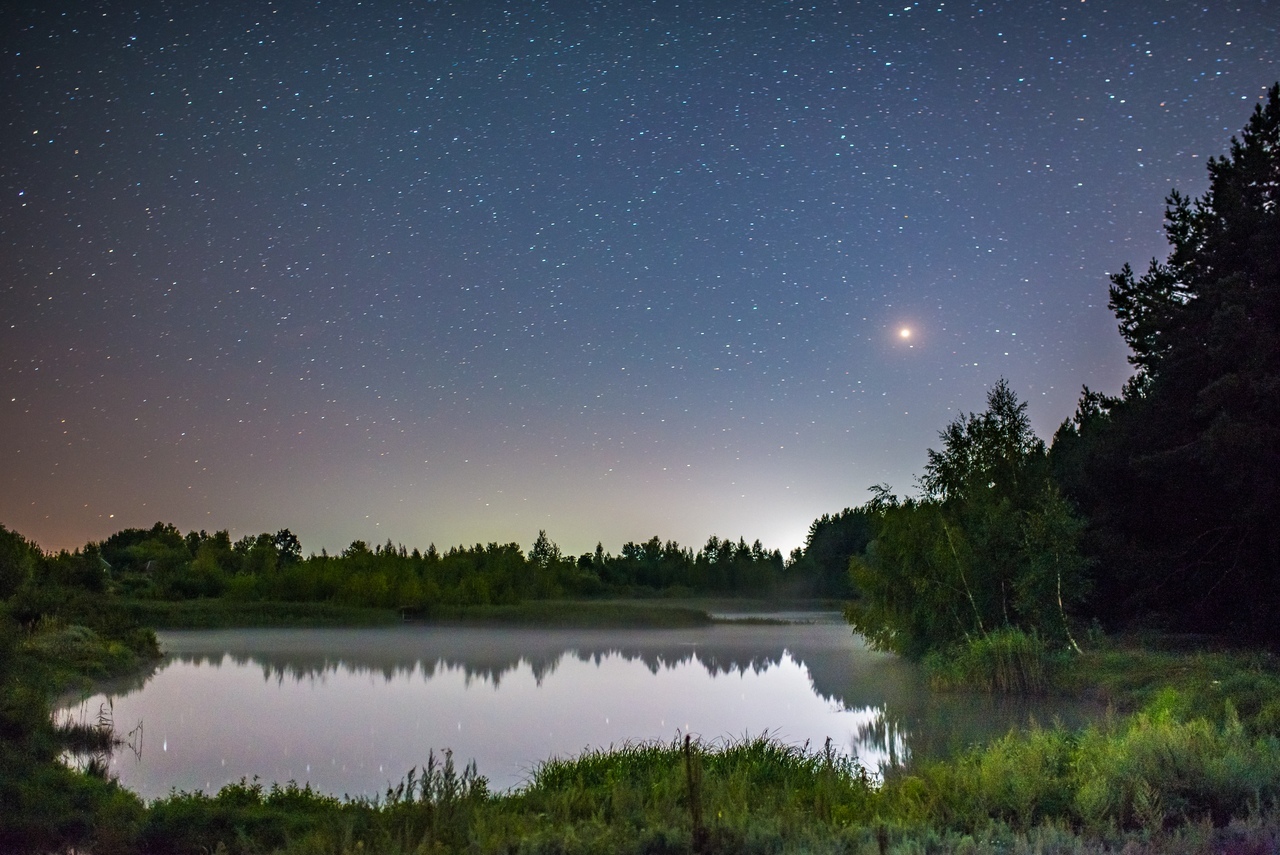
(18, 558)
(44, 805)
(159, 564)
(753, 795)
(992, 543)
(720, 567)
(1154, 771)
(80, 649)
(243, 817)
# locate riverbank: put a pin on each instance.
(660, 613)
(1210, 789)
(1189, 762)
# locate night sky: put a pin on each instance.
(455, 272)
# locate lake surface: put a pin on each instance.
(350, 711)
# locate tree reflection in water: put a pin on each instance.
(561, 691)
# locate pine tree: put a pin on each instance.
(1180, 476)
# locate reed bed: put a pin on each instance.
(1006, 661)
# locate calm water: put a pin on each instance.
(350, 711)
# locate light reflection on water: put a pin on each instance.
(350, 711)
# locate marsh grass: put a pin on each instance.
(1006, 661)
(1152, 771)
(1146, 783)
(227, 613)
(685, 796)
(577, 614)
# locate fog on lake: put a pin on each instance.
(350, 711)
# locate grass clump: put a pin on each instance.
(1156, 770)
(429, 811)
(242, 817)
(1151, 771)
(1006, 661)
(751, 795)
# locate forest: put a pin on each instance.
(1150, 512)
(161, 563)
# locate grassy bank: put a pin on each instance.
(44, 804)
(1189, 763)
(226, 614)
(1150, 784)
(1130, 674)
(577, 613)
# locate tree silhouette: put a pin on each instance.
(1179, 475)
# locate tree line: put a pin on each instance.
(162, 563)
(1156, 508)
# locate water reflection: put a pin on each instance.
(351, 710)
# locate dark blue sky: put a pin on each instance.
(459, 271)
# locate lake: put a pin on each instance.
(350, 711)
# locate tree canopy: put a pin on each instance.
(1180, 474)
(990, 545)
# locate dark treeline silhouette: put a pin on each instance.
(1158, 508)
(1179, 476)
(162, 563)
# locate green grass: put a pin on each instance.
(1130, 676)
(1153, 771)
(1152, 783)
(222, 614)
(1007, 661)
(577, 613)
(1188, 763)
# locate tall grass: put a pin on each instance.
(1006, 661)
(1151, 771)
(1191, 785)
(754, 794)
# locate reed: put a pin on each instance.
(1006, 661)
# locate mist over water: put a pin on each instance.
(350, 711)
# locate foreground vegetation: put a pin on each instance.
(1165, 779)
(1195, 768)
(1189, 761)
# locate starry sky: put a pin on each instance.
(455, 272)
